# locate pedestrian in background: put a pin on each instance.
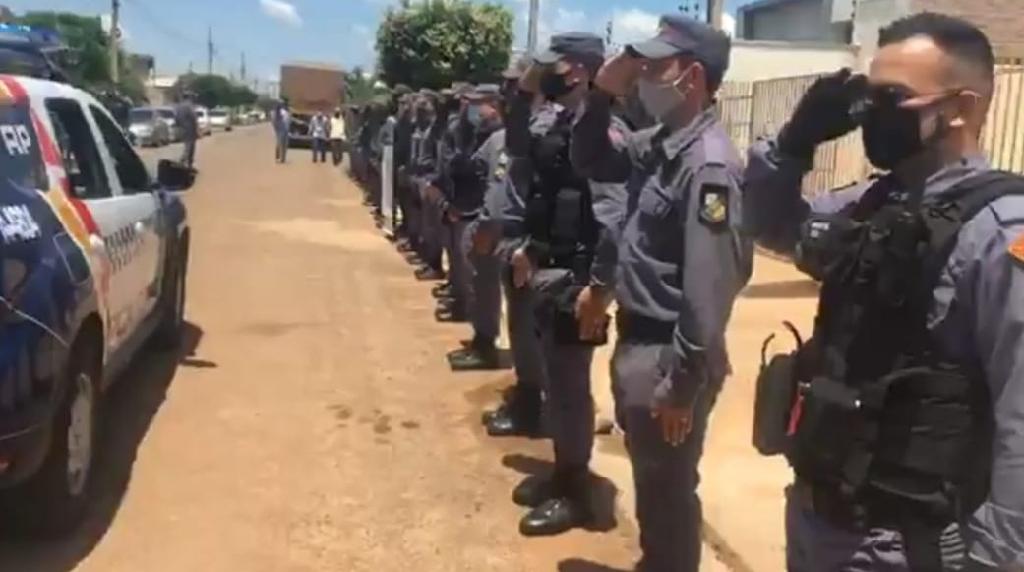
(320, 131)
(337, 137)
(281, 121)
(188, 123)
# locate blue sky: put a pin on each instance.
(338, 31)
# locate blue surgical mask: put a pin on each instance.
(473, 115)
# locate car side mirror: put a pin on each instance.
(174, 176)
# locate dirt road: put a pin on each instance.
(311, 422)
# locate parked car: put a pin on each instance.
(203, 117)
(170, 117)
(220, 119)
(148, 128)
(94, 255)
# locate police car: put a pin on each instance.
(93, 259)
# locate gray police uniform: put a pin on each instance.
(423, 173)
(682, 261)
(977, 317)
(484, 290)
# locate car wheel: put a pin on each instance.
(54, 501)
(172, 303)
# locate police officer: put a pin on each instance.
(682, 261)
(475, 271)
(423, 172)
(906, 437)
(520, 412)
(555, 262)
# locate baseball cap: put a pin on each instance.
(679, 35)
(484, 91)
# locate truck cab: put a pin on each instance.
(93, 259)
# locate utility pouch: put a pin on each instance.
(775, 395)
(826, 426)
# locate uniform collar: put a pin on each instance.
(953, 174)
(674, 142)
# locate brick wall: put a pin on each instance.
(1002, 20)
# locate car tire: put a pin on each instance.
(172, 302)
(54, 501)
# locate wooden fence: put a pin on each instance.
(750, 110)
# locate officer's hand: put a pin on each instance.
(432, 193)
(590, 312)
(484, 240)
(618, 75)
(822, 114)
(522, 268)
(676, 422)
(530, 80)
(453, 215)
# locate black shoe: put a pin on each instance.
(442, 290)
(452, 314)
(478, 356)
(555, 516)
(534, 490)
(507, 423)
(427, 273)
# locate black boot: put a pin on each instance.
(480, 354)
(519, 415)
(568, 507)
(534, 491)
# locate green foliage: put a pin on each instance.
(359, 87)
(214, 91)
(87, 61)
(435, 42)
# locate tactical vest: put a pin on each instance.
(875, 413)
(559, 212)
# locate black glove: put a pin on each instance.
(823, 114)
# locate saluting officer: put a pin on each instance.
(555, 262)
(906, 438)
(682, 261)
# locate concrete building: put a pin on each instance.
(856, 22)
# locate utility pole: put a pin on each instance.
(608, 34)
(715, 14)
(242, 70)
(209, 51)
(531, 33)
(114, 41)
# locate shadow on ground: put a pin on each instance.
(128, 410)
(785, 289)
(603, 491)
(579, 565)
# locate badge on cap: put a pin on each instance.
(1017, 248)
(714, 205)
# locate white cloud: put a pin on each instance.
(284, 12)
(633, 25)
(729, 24)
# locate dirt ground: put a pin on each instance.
(311, 422)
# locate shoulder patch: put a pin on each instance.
(1016, 248)
(714, 205)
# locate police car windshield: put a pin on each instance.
(166, 113)
(16, 61)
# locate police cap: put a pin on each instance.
(681, 36)
(484, 92)
(577, 46)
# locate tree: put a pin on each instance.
(435, 42)
(214, 91)
(86, 61)
(360, 87)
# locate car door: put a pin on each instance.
(88, 182)
(138, 207)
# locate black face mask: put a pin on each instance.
(423, 117)
(892, 134)
(555, 86)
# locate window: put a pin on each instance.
(78, 149)
(130, 170)
(20, 158)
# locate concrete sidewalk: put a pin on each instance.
(742, 491)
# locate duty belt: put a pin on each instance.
(642, 329)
